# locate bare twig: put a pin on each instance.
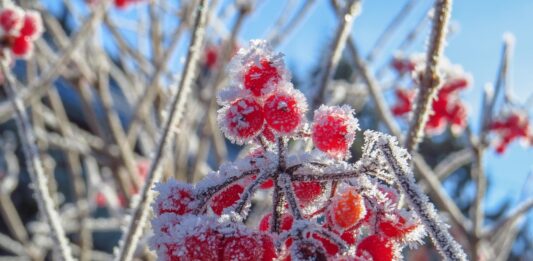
(430, 80)
(140, 214)
(35, 166)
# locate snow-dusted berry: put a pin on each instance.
(21, 46)
(248, 247)
(285, 110)
(377, 248)
(242, 119)
(226, 198)
(32, 25)
(174, 197)
(333, 130)
(11, 19)
(347, 209)
(258, 77)
(307, 191)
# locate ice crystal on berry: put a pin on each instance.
(323, 208)
(19, 29)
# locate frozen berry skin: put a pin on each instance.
(21, 46)
(377, 247)
(285, 110)
(11, 20)
(307, 192)
(174, 198)
(226, 198)
(241, 120)
(258, 77)
(333, 130)
(347, 209)
(32, 25)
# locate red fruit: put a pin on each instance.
(379, 248)
(175, 199)
(347, 209)
(242, 247)
(21, 46)
(396, 229)
(333, 130)
(404, 102)
(124, 3)
(204, 246)
(403, 65)
(268, 134)
(11, 19)
(226, 198)
(269, 249)
(284, 111)
(307, 192)
(330, 247)
(258, 77)
(101, 201)
(242, 119)
(31, 25)
(286, 222)
(211, 56)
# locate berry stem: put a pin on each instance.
(430, 80)
(140, 214)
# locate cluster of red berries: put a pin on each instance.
(19, 29)
(512, 125)
(324, 208)
(448, 109)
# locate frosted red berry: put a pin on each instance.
(347, 209)
(242, 119)
(284, 111)
(21, 46)
(175, 198)
(11, 19)
(333, 130)
(376, 247)
(258, 77)
(31, 25)
(226, 198)
(307, 191)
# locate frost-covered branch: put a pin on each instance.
(430, 80)
(140, 215)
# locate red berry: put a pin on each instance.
(32, 25)
(242, 119)
(11, 19)
(226, 198)
(333, 130)
(174, 198)
(284, 111)
(268, 134)
(379, 248)
(204, 246)
(403, 65)
(242, 247)
(258, 77)
(347, 209)
(330, 247)
(307, 192)
(211, 56)
(21, 46)
(404, 102)
(269, 249)
(286, 222)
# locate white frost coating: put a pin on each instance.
(257, 50)
(322, 119)
(398, 159)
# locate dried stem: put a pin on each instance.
(35, 166)
(141, 210)
(430, 80)
(343, 31)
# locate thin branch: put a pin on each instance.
(35, 166)
(353, 8)
(140, 214)
(430, 81)
(511, 218)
